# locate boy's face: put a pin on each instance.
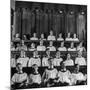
(62, 44)
(58, 54)
(48, 52)
(74, 35)
(42, 35)
(51, 32)
(22, 42)
(41, 42)
(80, 44)
(12, 44)
(68, 35)
(19, 68)
(18, 45)
(63, 66)
(34, 35)
(51, 62)
(32, 45)
(60, 35)
(77, 68)
(82, 12)
(68, 56)
(51, 43)
(22, 53)
(72, 45)
(24, 36)
(35, 53)
(17, 35)
(79, 54)
(35, 68)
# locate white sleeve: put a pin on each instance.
(30, 62)
(43, 61)
(39, 62)
(56, 72)
(18, 60)
(68, 49)
(27, 61)
(84, 61)
(69, 74)
(13, 80)
(26, 48)
(13, 62)
(37, 48)
(48, 38)
(58, 49)
(72, 62)
(60, 76)
(65, 39)
(54, 62)
(55, 48)
(76, 61)
(44, 48)
(65, 49)
(61, 59)
(54, 37)
(39, 79)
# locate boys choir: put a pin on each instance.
(51, 75)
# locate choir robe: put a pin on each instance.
(13, 62)
(62, 49)
(64, 77)
(51, 48)
(57, 61)
(41, 48)
(80, 61)
(78, 77)
(23, 61)
(35, 78)
(71, 49)
(69, 62)
(34, 60)
(51, 73)
(19, 80)
(45, 61)
(51, 38)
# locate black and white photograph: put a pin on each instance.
(48, 45)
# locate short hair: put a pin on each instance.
(58, 51)
(61, 63)
(76, 65)
(35, 50)
(47, 49)
(50, 58)
(79, 52)
(68, 53)
(22, 50)
(34, 65)
(18, 64)
(41, 40)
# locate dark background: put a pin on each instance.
(30, 17)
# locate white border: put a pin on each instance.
(5, 42)
(82, 2)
